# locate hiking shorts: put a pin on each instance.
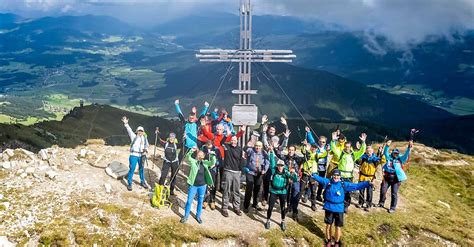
(331, 217)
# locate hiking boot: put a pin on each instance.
(144, 185)
(327, 243)
(183, 220)
(304, 199)
(129, 188)
(199, 220)
(246, 210)
(238, 212)
(225, 213)
(313, 207)
(367, 209)
(267, 225)
(391, 211)
(204, 205)
(283, 226)
(264, 203)
(380, 205)
(319, 199)
(359, 205)
(172, 193)
(257, 208)
(212, 205)
(338, 244)
(294, 216)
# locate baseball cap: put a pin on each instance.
(280, 163)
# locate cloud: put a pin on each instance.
(402, 23)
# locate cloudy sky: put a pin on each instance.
(403, 22)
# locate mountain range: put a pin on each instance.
(103, 60)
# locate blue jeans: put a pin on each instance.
(192, 190)
(133, 164)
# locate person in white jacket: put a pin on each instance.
(138, 150)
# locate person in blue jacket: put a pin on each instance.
(190, 126)
(393, 174)
(334, 190)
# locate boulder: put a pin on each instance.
(51, 174)
(13, 164)
(117, 170)
(43, 167)
(9, 152)
(26, 152)
(5, 243)
(83, 153)
(43, 153)
(6, 165)
(108, 188)
(30, 170)
(20, 171)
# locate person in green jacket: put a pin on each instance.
(198, 180)
(346, 161)
(280, 178)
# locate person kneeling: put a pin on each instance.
(198, 179)
(334, 190)
(280, 178)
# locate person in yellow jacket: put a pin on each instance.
(309, 152)
(346, 161)
(334, 162)
(368, 167)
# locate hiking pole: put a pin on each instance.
(157, 131)
(412, 136)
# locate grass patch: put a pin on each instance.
(169, 231)
(307, 232)
(427, 184)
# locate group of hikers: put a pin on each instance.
(274, 171)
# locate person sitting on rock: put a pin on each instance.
(333, 194)
(198, 179)
(138, 151)
(393, 174)
(280, 178)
